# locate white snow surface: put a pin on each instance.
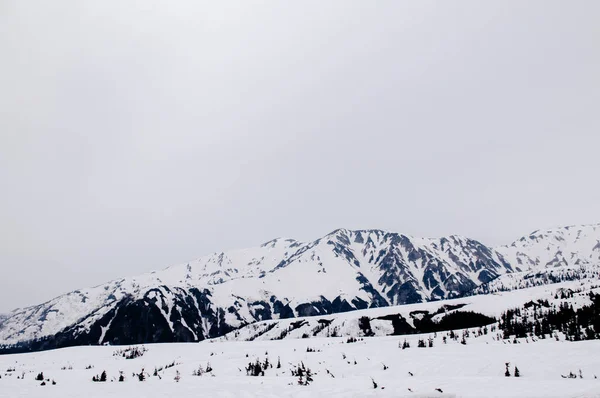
(340, 369)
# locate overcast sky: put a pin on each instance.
(136, 136)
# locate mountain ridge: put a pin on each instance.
(282, 278)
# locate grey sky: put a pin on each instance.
(135, 136)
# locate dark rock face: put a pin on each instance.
(142, 321)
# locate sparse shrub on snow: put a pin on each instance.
(131, 352)
(304, 374)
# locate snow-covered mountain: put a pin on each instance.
(550, 256)
(567, 246)
(284, 278)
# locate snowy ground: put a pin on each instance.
(472, 370)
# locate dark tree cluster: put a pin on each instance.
(364, 323)
(425, 322)
(517, 373)
(462, 320)
(200, 371)
(131, 352)
(258, 368)
(541, 319)
(540, 278)
(101, 378)
(572, 375)
(141, 376)
(304, 374)
(352, 339)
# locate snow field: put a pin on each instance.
(472, 370)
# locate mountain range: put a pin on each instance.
(343, 271)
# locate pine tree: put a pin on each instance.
(308, 378)
(517, 373)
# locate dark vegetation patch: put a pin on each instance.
(424, 323)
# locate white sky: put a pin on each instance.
(135, 136)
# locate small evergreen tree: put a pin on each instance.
(308, 378)
(517, 373)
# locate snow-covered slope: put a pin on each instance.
(567, 246)
(539, 277)
(549, 256)
(342, 271)
(381, 320)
